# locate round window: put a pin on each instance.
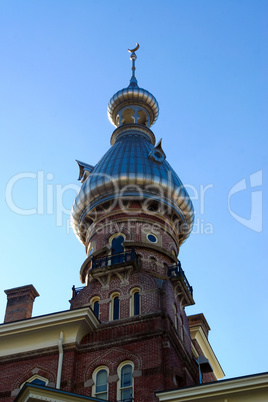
(152, 238)
(158, 155)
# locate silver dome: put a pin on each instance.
(128, 170)
(133, 168)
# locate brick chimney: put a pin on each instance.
(198, 320)
(20, 303)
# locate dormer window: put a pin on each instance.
(157, 154)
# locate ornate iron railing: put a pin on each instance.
(75, 291)
(177, 271)
(109, 260)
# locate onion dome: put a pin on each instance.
(134, 96)
(133, 168)
(142, 102)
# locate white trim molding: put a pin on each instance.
(252, 388)
(43, 331)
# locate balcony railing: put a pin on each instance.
(75, 291)
(177, 271)
(109, 260)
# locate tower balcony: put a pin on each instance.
(109, 264)
(183, 287)
(115, 260)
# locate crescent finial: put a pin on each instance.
(134, 50)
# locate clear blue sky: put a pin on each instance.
(206, 63)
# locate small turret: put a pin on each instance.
(133, 104)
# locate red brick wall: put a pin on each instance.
(156, 356)
(161, 354)
(16, 370)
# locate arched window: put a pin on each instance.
(100, 386)
(125, 389)
(117, 248)
(135, 304)
(114, 307)
(117, 244)
(95, 305)
(96, 308)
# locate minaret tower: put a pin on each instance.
(132, 213)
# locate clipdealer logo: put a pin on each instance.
(50, 200)
(49, 196)
(254, 222)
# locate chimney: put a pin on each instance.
(20, 303)
(198, 320)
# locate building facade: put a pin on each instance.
(126, 335)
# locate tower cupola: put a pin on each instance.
(133, 104)
(133, 172)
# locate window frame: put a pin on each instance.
(155, 241)
(112, 237)
(119, 373)
(116, 256)
(94, 386)
(132, 302)
(111, 306)
(93, 300)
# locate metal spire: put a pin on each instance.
(133, 81)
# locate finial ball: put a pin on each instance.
(133, 56)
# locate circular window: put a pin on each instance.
(152, 238)
(158, 155)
